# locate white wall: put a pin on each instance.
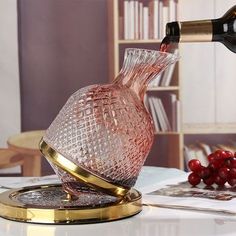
(9, 72)
(207, 69)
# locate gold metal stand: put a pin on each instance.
(80, 173)
(49, 204)
(52, 204)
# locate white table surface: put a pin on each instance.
(151, 221)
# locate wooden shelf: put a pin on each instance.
(141, 41)
(167, 88)
(167, 133)
(210, 128)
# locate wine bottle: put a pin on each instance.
(215, 30)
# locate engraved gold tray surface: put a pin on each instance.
(48, 204)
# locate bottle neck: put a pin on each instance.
(196, 31)
(200, 31)
(190, 31)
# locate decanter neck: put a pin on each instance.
(140, 66)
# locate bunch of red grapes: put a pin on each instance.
(221, 169)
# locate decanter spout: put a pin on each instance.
(140, 66)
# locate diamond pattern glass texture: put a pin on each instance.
(106, 129)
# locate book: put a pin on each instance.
(171, 105)
(155, 19)
(200, 155)
(177, 113)
(155, 82)
(165, 118)
(227, 147)
(161, 114)
(131, 20)
(154, 115)
(165, 16)
(140, 20)
(121, 27)
(160, 28)
(158, 113)
(146, 102)
(126, 19)
(145, 22)
(214, 148)
(136, 19)
(151, 19)
(192, 151)
(168, 73)
(205, 147)
(188, 155)
(172, 10)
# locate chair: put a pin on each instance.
(27, 144)
(10, 158)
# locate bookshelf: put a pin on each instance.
(175, 141)
(117, 45)
(167, 88)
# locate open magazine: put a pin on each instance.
(177, 193)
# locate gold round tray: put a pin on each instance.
(49, 204)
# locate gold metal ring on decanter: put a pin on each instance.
(80, 173)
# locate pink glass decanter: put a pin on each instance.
(106, 129)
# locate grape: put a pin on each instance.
(220, 154)
(195, 165)
(229, 154)
(232, 181)
(227, 162)
(215, 165)
(221, 169)
(211, 157)
(219, 181)
(209, 181)
(204, 173)
(194, 179)
(232, 173)
(225, 154)
(224, 172)
(233, 162)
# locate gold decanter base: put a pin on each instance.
(49, 204)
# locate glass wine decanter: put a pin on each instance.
(103, 134)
